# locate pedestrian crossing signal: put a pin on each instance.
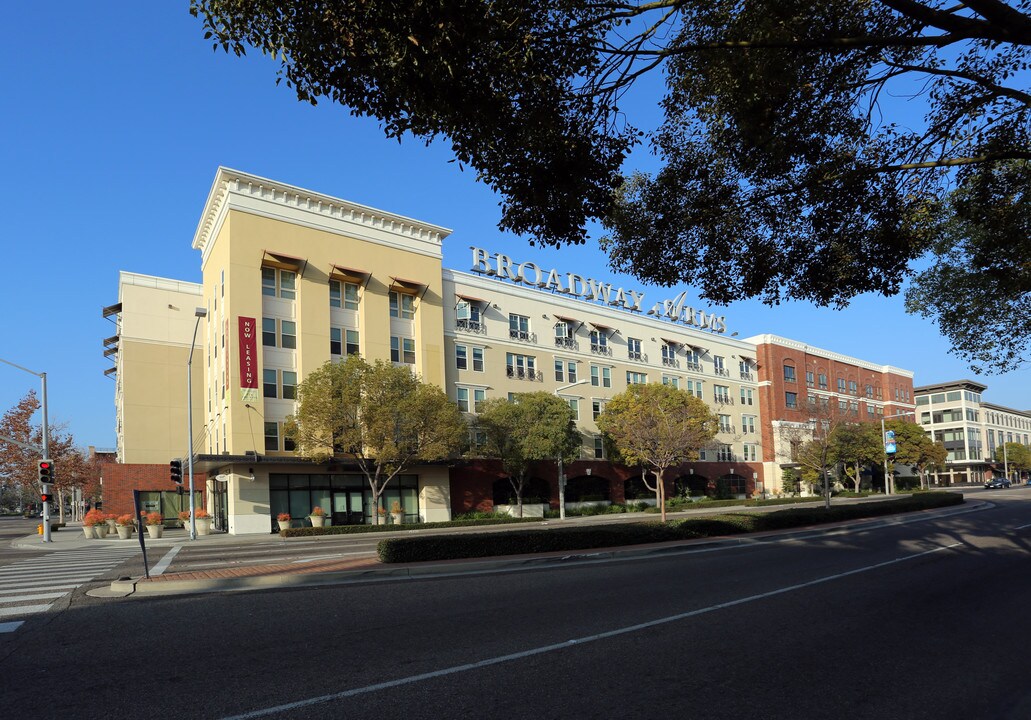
(46, 497)
(175, 469)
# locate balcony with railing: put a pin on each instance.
(670, 362)
(722, 372)
(637, 355)
(471, 326)
(601, 350)
(693, 366)
(567, 343)
(726, 428)
(522, 335)
(747, 376)
(724, 399)
(518, 373)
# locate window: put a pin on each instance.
(724, 453)
(479, 395)
(853, 407)
(841, 385)
(574, 405)
(746, 396)
(692, 359)
(268, 383)
(268, 332)
(842, 405)
(351, 347)
(718, 365)
(463, 399)
(336, 341)
(633, 349)
(636, 378)
(571, 371)
(748, 423)
(278, 283)
(811, 399)
(468, 316)
(402, 350)
(789, 373)
(271, 437)
(725, 424)
(599, 343)
(721, 394)
(744, 370)
(560, 367)
(521, 367)
(596, 408)
(287, 334)
(519, 327)
(822, 379)
(751, 452)
(669, 354)
(564, 336)
(343, 295)
(289, 385)
(791, 400)
(869, 391)
(694, 387)
(402, 305)
(672, 381)
(808, 378)
(852, 388)
(599, 448)
(461, 357)
(477, 359)
(601, 376)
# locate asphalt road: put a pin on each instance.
(914, 620)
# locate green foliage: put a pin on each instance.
(1016, 455)
(382, 416)
(361, 529)
(517, 542)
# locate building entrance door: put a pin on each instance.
(347, 507)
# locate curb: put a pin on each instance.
(471, 566)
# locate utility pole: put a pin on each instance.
(46, 443)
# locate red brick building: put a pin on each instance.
(794, 376)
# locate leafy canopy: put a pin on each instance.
(783, 173)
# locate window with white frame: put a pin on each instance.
(462, 395)
(521, 367)
(724, 453)
(721, 394)
(694, 387)
(599, 448)
(268, 332)
(751, 452)
(693, 359)
(599, 342)
(519, 327)
(343, 295)
(560, 369)
(719, 366)
(636, 378)
(574, 405)
(633, 349)
(468, 315)
(402, 350)
(289, 385)
(278, 283)
(271, 437)
(748, 424)
(726, 425)
(669, 354)
(671, 380)
(747, 396)
(461, 357)
(601, 376)
(571, 371)
(343, 341)
(597, 406)
(287, 334)
(402, 305)
(477, 359)
(564, 334)
(269, 384)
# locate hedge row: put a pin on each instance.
(520, 542)
(357, 529)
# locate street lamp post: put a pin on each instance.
(887, 482)
(561, 465)
(46, 440)
(199, 313)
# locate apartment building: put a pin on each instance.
(956, 414)
(795, 377)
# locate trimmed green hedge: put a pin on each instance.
(358, 529)
(520, 542)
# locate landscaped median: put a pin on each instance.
(358, 529)
(519, 542)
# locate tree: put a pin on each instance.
(914, 447)
(855, 445)
(659, 426)
(532, 427)
(815, 444)
(1014, 455)
(381, 416)
(776, 155)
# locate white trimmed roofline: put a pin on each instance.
(768, 339)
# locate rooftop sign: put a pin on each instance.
(528, 273)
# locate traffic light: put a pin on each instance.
(175, 469)
(46, 497)
(46, 471)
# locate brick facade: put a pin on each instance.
(119, 480)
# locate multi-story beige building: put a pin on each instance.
(292, 279)
(971, 429)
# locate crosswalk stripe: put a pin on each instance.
(27, 598)
(47, 583)
(11, 626)
(24, 610)
(67, 587)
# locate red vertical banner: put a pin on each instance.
(248, 359)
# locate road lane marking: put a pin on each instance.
(11, 626)
(455, 669)
(166, 560)
(1022, 527)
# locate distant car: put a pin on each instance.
(997, 483)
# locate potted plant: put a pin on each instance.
(317, 516)
(284, 521)
(203, 521)
(112, 521)
(184, 519)
(92, 522)
(124, 524)
(382, 512)
(155, 525)
(397, 514)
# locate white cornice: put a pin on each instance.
(768, 339)
(237, 190)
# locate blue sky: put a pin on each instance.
(115, 118)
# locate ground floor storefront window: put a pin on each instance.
(346, 499)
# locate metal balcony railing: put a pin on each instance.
(522, 335)
(472, 326)
(524, 373)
